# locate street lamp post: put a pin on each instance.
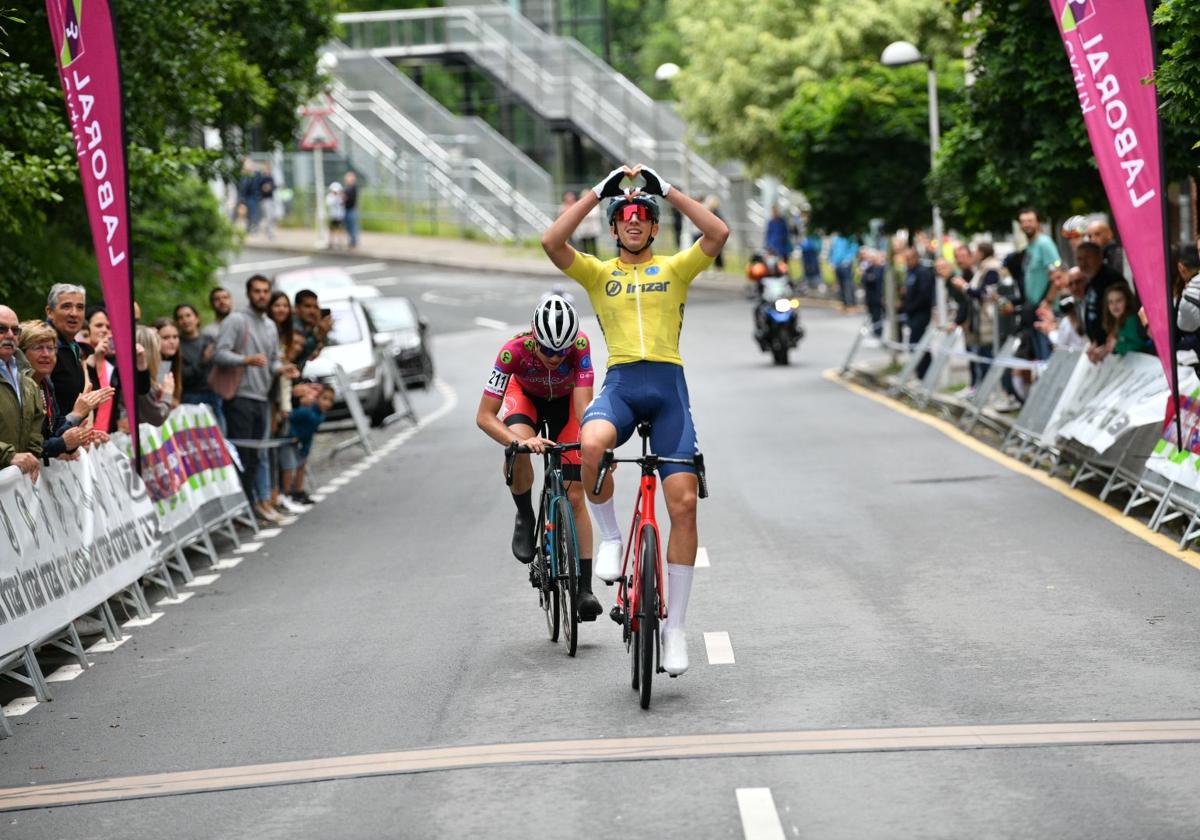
(901, 54)
(327, 63)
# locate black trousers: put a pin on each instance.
(245, 419)
(918, 322)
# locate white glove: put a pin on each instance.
(655, 183)
(610, 185)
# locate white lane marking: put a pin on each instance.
(148, 620)
(267, 533)
(264, 265)
(760, 819)
(20, 706)
(434, 297)
(363, 268)
(719, 648)
(66, 673)
(106, 646)
(182, 597)
(702, 558)
(340, 481)
(317, 497)
(248, 547)
(228, 563)
(204, 580)
(354, 472)
(383, 281)
(329, 489)
(491, 323)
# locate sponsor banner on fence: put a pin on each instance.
(1169, 459)
(82, 533)
(186, 463)
(1117, 396)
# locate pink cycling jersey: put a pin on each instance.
(518, 357)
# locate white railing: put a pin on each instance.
(558, 77)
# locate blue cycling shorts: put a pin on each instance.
(657, 393)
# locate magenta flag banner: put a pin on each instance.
(1110, 47)
(89, 68)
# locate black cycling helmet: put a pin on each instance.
(645, 201)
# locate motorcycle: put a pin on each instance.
(777, 327)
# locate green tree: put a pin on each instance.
(1019, 137)
(746, 60)
(240, 66)
(858, 142)
(1178, 76)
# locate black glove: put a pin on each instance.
(610, 186)
(655, 184)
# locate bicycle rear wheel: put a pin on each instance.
(647, 647)
(567, 584)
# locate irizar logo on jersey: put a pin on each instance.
(659, 286)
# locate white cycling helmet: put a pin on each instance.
(555, 323)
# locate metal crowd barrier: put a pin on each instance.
(1027, 435)
(220, 514)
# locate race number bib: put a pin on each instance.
(497, 382)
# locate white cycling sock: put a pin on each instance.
(604, 515)
(679, 588)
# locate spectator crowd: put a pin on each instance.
(61, 390)
(1077, 295)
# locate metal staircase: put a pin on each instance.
(556, 77)
(414, 145)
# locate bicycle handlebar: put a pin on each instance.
(513, 449)
(649, 462)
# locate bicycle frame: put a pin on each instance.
(643, 518)
(552, 490)
(552, 486)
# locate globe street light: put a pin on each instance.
(901, 54)
(666, 71)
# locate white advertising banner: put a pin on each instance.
(1181, 464)
(82, 533)
(1118, 395)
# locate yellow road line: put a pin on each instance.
(1160, 541)
(801, 742)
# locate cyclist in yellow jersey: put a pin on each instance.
(640, 299)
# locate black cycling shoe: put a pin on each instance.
(589, 606)
(522, 542)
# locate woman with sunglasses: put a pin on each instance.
(542, 381)
(639, 299)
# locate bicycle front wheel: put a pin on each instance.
(567, 583)
(647, 647)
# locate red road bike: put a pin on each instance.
(641, 607)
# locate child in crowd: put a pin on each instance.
(1121, 324)
(304, 420)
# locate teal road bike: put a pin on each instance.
(554, 572)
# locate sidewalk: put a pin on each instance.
(463, 254)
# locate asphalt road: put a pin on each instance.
(869, 572)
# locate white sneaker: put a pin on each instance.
(608, 560)
(290, 506)
(674, 653)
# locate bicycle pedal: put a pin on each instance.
(616, 615)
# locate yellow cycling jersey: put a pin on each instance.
(640, 306)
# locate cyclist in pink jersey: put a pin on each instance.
(539, 386)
